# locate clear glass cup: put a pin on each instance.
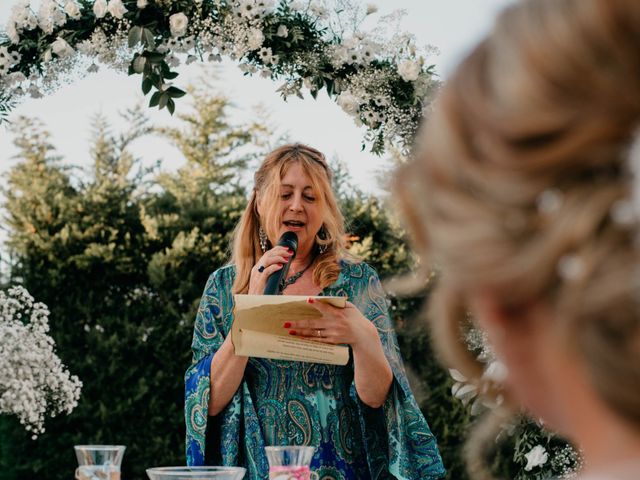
(99, 462)
(290, 463)
(196, 473)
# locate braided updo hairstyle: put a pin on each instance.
(520, 184)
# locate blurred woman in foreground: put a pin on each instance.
(524, 194)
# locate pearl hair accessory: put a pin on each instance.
(549, 201)
(571, 267)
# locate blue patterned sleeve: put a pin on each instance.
(397, 431)
(208, 336)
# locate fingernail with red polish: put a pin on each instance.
(311, 300)
(286, 325)
(292, 332)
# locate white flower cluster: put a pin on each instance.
(536, 457)
(356, 51)
(51, 15)
(252, 9)
(114, 7)
(362, 68)
(22, 18)
(367, 97)
(567, 462)
(8, 60)
(33, 380)
(467, 392)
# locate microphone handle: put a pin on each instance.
(272, 287)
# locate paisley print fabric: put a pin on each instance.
(295, 403)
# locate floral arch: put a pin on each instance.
(382, 82)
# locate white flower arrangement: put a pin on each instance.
(290, 40)
(33, 380)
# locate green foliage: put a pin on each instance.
(508, 458)
(121, 257)
(296, 45)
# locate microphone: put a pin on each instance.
(272, 287)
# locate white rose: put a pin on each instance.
(18, 15)
(12, 33)
(348, 102)
(100, 8)
(536, 457)
(408, 70)
(255, 39)
(178, 23)
(142, 4)
(59, 18)
(30, 21)
(72, 9)
(283, 31)
(61, 48)
(117, 8)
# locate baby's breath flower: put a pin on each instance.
(33, 380)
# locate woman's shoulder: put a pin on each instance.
(222, 276)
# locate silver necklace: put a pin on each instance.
(293, 278)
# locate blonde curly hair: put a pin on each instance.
(543, 109)
(246, 244)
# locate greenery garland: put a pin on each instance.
(383, 83)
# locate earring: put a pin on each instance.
(322, 235)
(262, 235)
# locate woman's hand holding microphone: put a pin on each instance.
(272, 261)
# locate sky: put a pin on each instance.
(453, 26)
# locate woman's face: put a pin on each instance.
(300, 208)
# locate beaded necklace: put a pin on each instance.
(293, 278)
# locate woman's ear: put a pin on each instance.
(511, 329)
(490, 315)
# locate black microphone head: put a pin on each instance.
(289, 240)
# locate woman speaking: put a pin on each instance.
(362, 418)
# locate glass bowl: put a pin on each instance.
(196, 473)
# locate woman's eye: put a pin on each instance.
(309, 198)
(285, 196)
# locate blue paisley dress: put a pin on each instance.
(296, 403)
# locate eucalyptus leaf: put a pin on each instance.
(135, 35)
(146, 85)
(155, 99)
(139, 63)
(171, 106)
(164, 99)
(175, 92)
(154, 57)
(148, 37)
